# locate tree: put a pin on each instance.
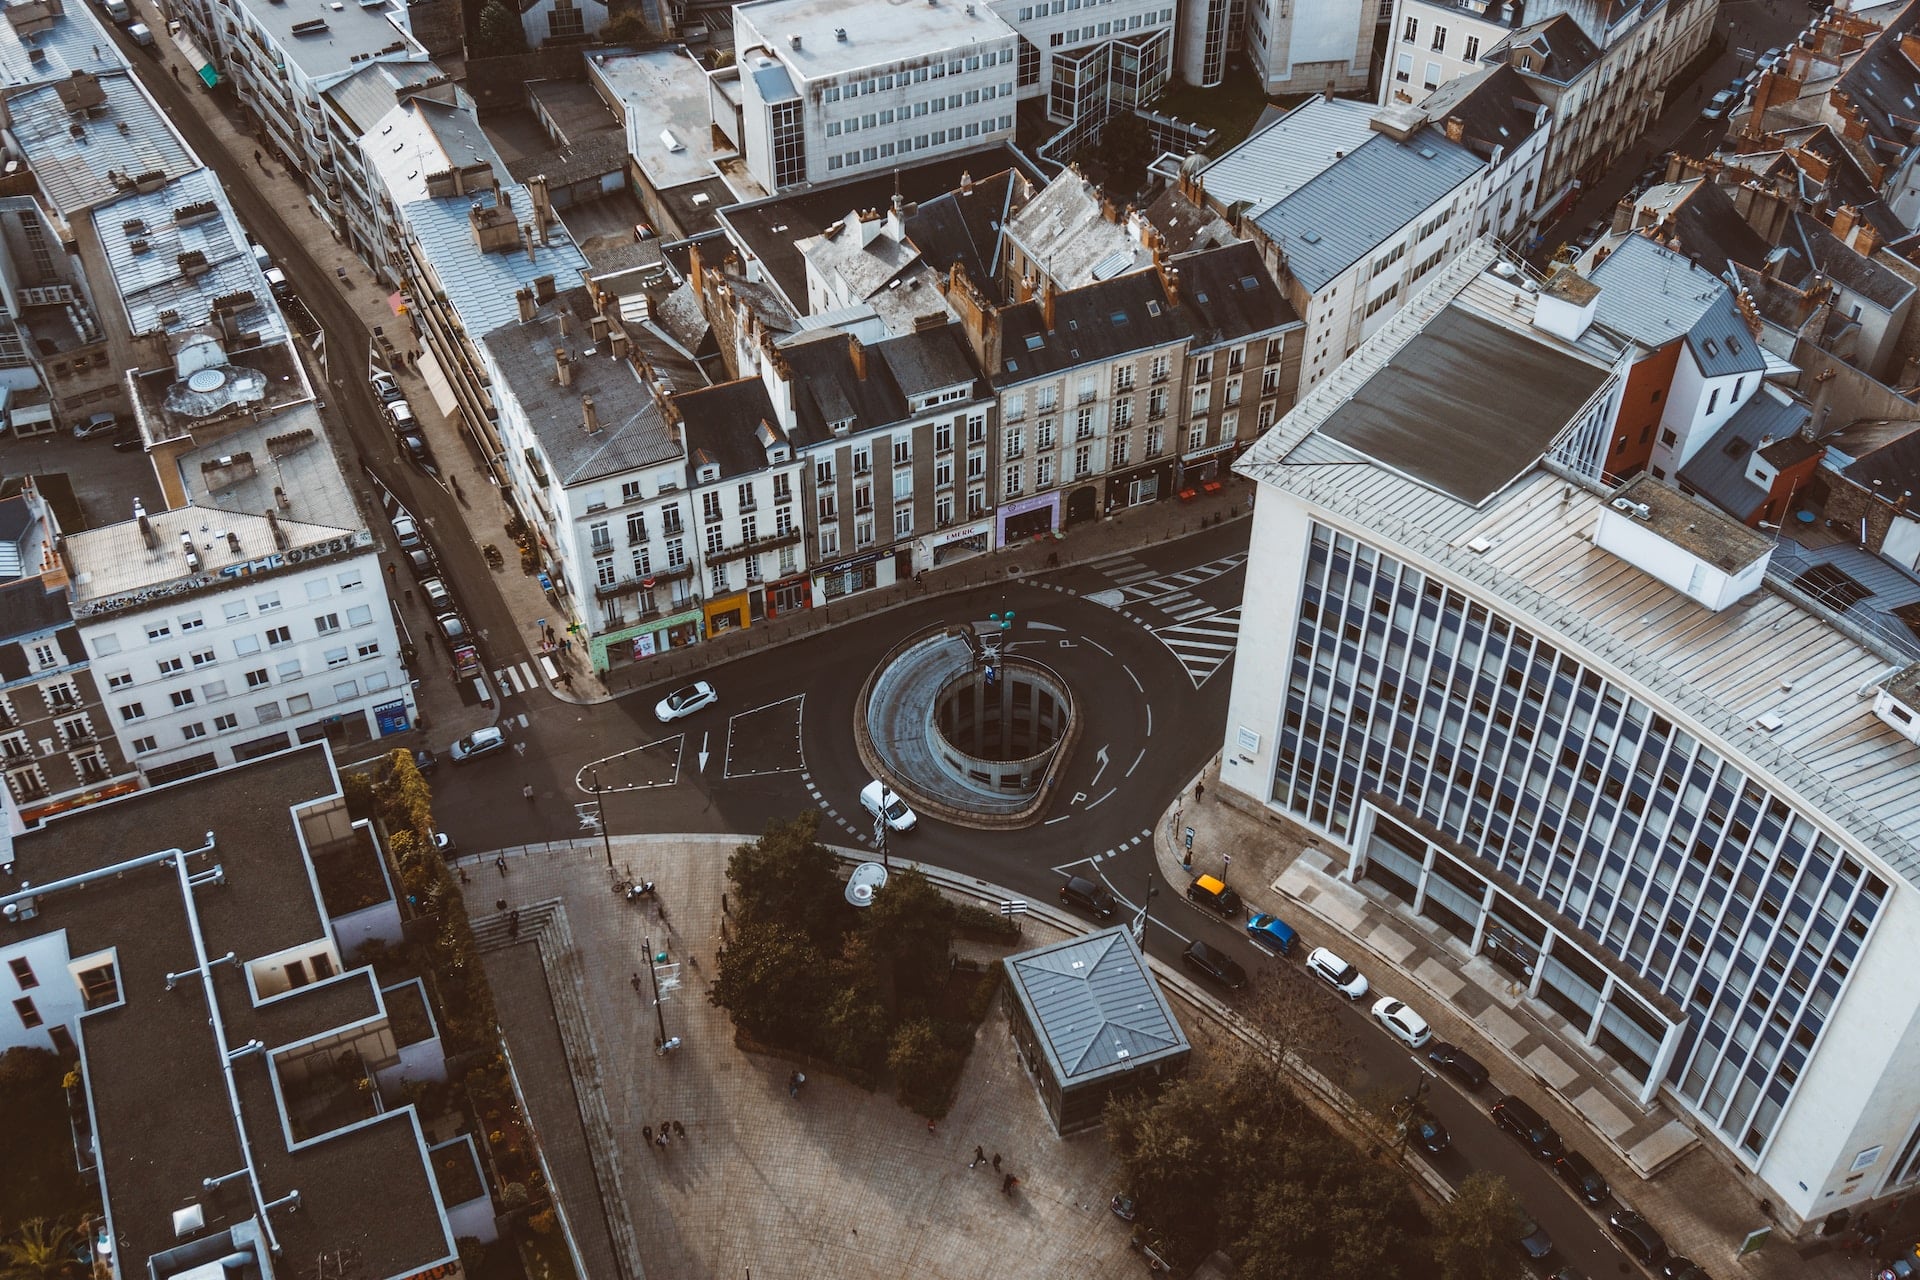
(911, 925)
(923, 1066)
(1298, 1024)
(500, 34)
(788, 876)
(627, 27)
(774, 983)
(38, 1250)
(1123, 153)
(1474, 1232)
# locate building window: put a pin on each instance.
(171, 667)
(182, 698)
(193, 731)
(1412, 32)
(1439, 39)
(23, 974)
(133, 711)
(145, 744)
(29, 1016)
(99, 986)
(225, 722)
(279, 635)
(1472, 53)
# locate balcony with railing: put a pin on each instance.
(630, 585)
(754, 546)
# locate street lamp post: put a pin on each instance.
(600, 807)
(659, 1015)
(1140, 916)
(880, 829)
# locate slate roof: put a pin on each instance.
(1065, 230)
(721, 424)
(1495, 105)
(369, 93)
(1185, 227)
(1095, 1008)
(1883, 85)
(1278, 160)
(827, 388)
(1651, 293)
(150, 283)
(1339, 217)
(1841, 263)
(633, 431)
(1562, 52)
(28, 608)
(1710, 230)
(1135, 313)
(1895, 465)
(420, 136)
(127, 135)
(954, 228)
(1718, 470)
(1721, 343)
(1874, 594)
(481, 286)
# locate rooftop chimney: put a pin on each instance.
(588, 416)
(147, 535)
(599, 327)
(524, 296)
(542, 206)
(1456, 130)
(527, 239)
(617, 343)
(280, 539)
(1046, 305)
(562, 367)
(857, 352)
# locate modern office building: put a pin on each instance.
(830, 90)
(1325, 47)
(1079, 58)
(1589, 734)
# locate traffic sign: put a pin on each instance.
(1189, 837)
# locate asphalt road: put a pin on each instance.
(351, 411)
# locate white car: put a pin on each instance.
(682, 703)
(1401, 1022)
(481, 742)
(1337, 973)
(875, 798)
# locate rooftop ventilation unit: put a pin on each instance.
(840, 33)
(793, 42)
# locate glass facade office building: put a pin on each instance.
(1673, 910)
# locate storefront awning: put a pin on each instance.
(437, 383)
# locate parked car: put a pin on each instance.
(416, 449)
(425, 761)
(97, 424)
(1429, 1134)
(420, 563)
(445, 845)
(1677, 1268)
(1273, 933)
(481, 742)
(1585, 1181)
(1458, 1063)
(1087, 896)
(440, 601)
(877, 798)
(1637, 1236)
(682, 703)
(401, 415)
(407, 533)
(1401, 1022)
(1337, 973)
(454, 628)
(387, 388)
(1524, 1123)
(1215, 965)
(1211, 891)
(1721, 103)
(1533, 1240)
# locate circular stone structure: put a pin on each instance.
(964, 733)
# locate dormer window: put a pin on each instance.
(709, 473)
(840, 426)
(779, 453)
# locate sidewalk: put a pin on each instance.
(1650, 1155)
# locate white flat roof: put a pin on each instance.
(663, 91)
(879, 32)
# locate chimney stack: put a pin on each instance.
(526, 238)
(1456, 130)
(857, 352)
(562, 367)
(1046, 305)
(588, 416)
(524, 297)
(618, 343)
(542, 207)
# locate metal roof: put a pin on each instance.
(1722, 344)
(76, 163)
(1652, 294)
(1289, 153)
(1344, 213)
(72, 40)
(150, 281)
(481, 286)
(1718, 471)
(1093, 1005)
(346, 35)
(1531, 552)
(824, 38)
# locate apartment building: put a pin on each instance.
(54, 360)
(830, 91)
(1435, 41)
(56, 742)
(282, 56)
(1661, 855)
(241, 1085)
(1493, 114)
(390, 124)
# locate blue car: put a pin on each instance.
(1273, 933)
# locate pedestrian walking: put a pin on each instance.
(1007, 1184)
(646, 1131)
(794, 1081)
(679, 1130)
(464, 877)
(526, 793)
(1199, 789)
(978, 1157)
(660, 1140)
(996, 1162)
(513, 924)
(636, 983)
(501, 864)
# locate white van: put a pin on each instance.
(875, 796)
(118, 10)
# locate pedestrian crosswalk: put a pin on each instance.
(1201, 646)
(516, 679)
(1140, 584)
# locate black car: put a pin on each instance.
(425, 761)
(420, 563)
(1678, 1268)
(1637, 1236)
(416, 449)
(1458, 1063)
(1533, 1238)
(1524, 1123)
(1579, 1174)
(1080, 892)
(1215, 965)
(1429, 1135)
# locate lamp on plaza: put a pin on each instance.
(600, 807)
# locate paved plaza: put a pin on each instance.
(837, 1184)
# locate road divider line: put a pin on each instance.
(1136, 763)
(1136, 679)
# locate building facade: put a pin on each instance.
(1294, 48)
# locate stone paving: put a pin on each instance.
(840, 1183)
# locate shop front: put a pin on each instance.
(853, 575)
(1205, 466)
(944, 546)
(789, 595)
(1141, 485)
(1028, 518)
(648, 637)
(727, 613)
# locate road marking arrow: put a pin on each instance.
(1101, 756)
(703, 751)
